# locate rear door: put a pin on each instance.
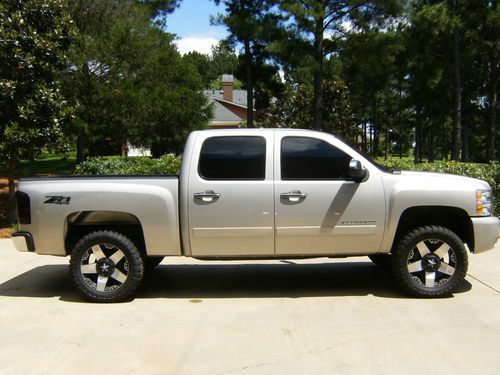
(319, 209)
(231, 196)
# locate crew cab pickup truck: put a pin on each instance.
(259, 194)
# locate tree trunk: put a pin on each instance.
(430, 145)
(400, 125)
(375, 143)
(318, 74)
(248, 72)
(457, 97)
(465, 141)
(493, 99)
(418, 137)
(400, 139)
(386, 150)
(82, 148)
(11, 207)
(370, 134)
(363, 137)
(124, 151)
(493, 123)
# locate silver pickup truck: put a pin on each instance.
(259, 194)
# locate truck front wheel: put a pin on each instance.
(106, 267)
(430, 261)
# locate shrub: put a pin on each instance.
(115, 165)
(487, 172)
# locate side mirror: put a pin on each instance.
(356, 170)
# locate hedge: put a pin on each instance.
(170, 164)
(115, 165)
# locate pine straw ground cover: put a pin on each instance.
(5, 228)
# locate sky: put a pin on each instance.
(191, 23)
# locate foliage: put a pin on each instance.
(371, 67)
(166, 165)
(130, 82)
(315, 29)
(252, 24)
(211, 67)
(295, 109)
(422, 75)
(216, 84)
(34, 38)
(488, 172)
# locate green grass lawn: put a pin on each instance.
(51, 166)
(46, 164)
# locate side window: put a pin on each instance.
(233, 158)
(304, 158)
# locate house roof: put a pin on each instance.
(239, 96)
(221, 113)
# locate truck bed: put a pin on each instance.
(61, 202)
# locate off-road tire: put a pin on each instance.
(110, 245)
(432, 241)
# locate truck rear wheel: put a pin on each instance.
(430, 261)
(106, 267)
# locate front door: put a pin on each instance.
(319, 209)
(231, 200)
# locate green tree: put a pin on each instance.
(224, 58)
(294, 109)
(34, 39)
(491, 42)
(435, 46)
(370, 61)
(252, 25)
(203, 65)
(211, 67)
(315, 29)
(130, 82)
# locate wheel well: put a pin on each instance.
(82, 223)
(453, 218)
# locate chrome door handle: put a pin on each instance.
(207, 196)
(294, 196)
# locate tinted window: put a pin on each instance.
(233, 158)
(305, 158)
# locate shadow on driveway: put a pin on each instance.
(287, 280)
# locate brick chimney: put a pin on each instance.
(227, 87)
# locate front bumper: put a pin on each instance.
(23, 241)
(486, 232)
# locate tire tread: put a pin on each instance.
(399, 260)
(136, 270)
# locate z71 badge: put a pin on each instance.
(57, 199)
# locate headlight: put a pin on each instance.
(484, 202)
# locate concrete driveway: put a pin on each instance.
(300, 317)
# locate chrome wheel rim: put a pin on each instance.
(104, 267)
(431, 263)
